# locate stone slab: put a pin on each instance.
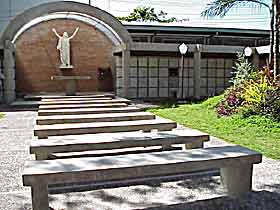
(43, 131)
(109, 141)
(84, 102)
(70, 77)
(87, 111)
(63, 96)
(136, 165)
(77, 99)
(18, 103)
(103, 153)
(108, 117)
(80, 106)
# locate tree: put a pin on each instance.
(147, 14)
(222, 7)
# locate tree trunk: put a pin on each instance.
(276, 39)
(271, 55)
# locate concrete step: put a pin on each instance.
(62, 96)
(43, 131)
(80, 106)
(76, 99)
(87, 111)
(108, 117)
(85, 102)
(20, 104)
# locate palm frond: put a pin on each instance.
(221, 7)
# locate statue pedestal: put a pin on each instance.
(66, 67)
(70, 86)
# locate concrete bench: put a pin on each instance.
(114, 141)
(87, 111)
(235, 164)
(64, 102)
(43, 131)
(80, 106)
(88, 118)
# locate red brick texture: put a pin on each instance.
(37, 58)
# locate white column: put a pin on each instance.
(125, 71)
(197, 64)
(9, 72)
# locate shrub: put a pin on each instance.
(255, 91)
(243, 71)
(271, 105)
(231, 103)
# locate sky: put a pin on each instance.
(245, 16)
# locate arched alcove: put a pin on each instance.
(102, 20)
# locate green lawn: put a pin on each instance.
(255, 132)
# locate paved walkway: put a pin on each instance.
(16, 132)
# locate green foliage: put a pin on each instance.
(168, 105)
(243, 70)
(213, 102)
(147, 14)
(231, 102)
(222, 7)
(271, 105)
(255, 91)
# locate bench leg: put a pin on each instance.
(41, 156)
(237, 180)
(194, 145)
(39, 193)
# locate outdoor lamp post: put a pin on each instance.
(183, 50)
(248, 51)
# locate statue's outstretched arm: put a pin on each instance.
(56, 33)
(74, 34)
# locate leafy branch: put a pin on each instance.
(145, 14)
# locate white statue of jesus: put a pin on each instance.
(64, 47)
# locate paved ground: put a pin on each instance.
(16, 133)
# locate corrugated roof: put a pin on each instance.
(195, 30)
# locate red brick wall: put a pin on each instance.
(37, 58)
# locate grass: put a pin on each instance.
(1, 115)
(255, 132)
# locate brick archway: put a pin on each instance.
(62, 6)
(49, 8)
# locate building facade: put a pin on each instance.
(134, 61)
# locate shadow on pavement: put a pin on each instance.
(261, 200)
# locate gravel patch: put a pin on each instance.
(15, 201)
(193, 193)
(12, 163)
